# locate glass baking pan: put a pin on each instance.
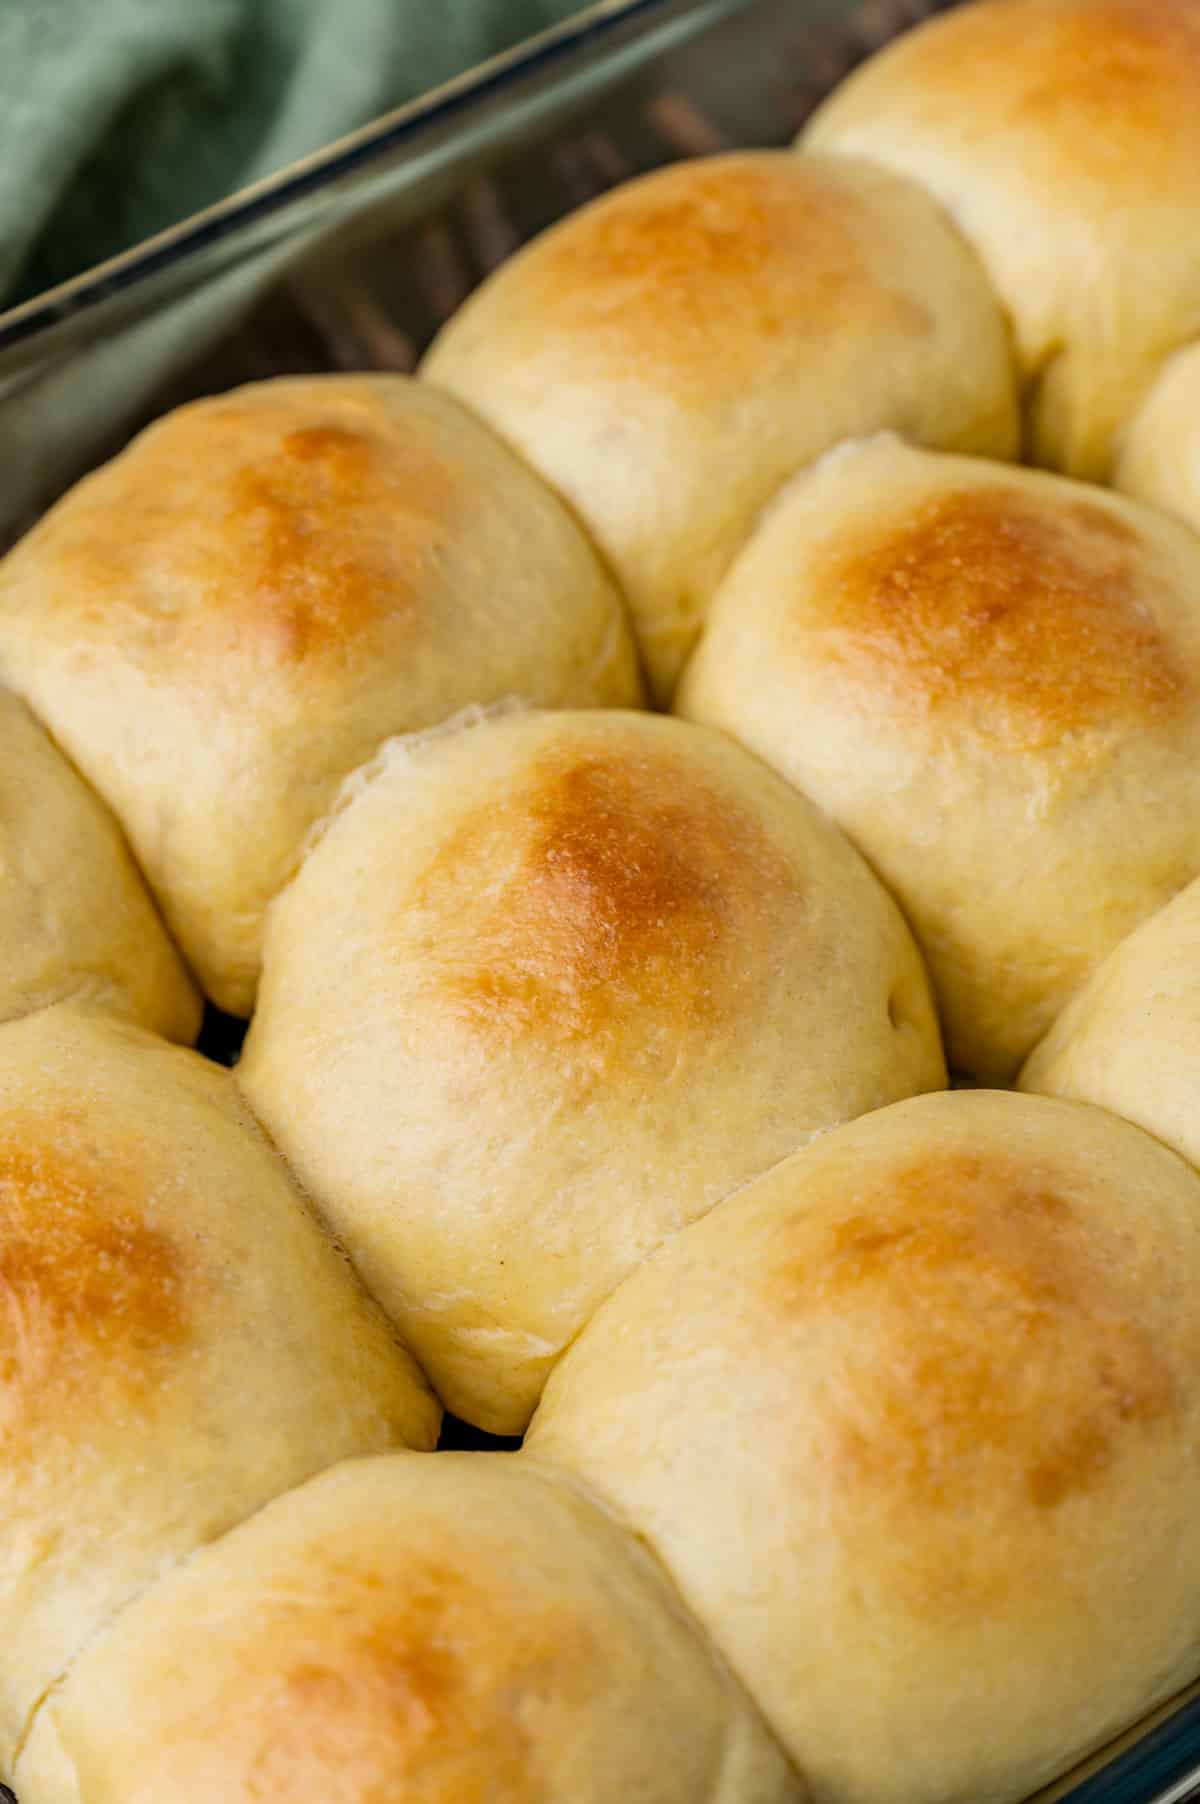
(353, 258)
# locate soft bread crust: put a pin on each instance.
(990, 677)
(1063, 138)
(227, 619)
(1130, 1040)
(1160, 454)
(178, 1340)
(449, 1631)
(671, 353)
(546, 990)
(920, 1406)
(75, 917)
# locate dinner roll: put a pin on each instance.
(178, 1341)
(1063, 138)
(991, 678)
(1130, 1040)
(75, 918)
(668, 355)
(443, 1631)
(222, 623)
(914, 1423)
(1160, 456)
(546, 990)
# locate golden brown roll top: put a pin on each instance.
(1063, 139)
(448, 1631)
(914, 1423)
(991, 679)
(178, 1341)
(670, 354)
(546, 990)
(1160, 452)
(226, 620)
(75, 918)
(1130, 1040)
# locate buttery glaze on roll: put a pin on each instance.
(990, 678)
(442, 1631)
(75, 918)
(1130, 1040)
(227, 619)
(671, 353)
(914, 1423)
(548, 989)
(1063, 139)
(1160, 454)
(178, 1340)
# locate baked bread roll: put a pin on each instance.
(670, 354)
(75, 917)
(1063, 139)
(546, 990)
(991, 678)
(1160, 453)
(433, 1630)
(222, 623)
(1130, 1040)
(914, 1423)
(178, 1341)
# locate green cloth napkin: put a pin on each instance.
(121, 117)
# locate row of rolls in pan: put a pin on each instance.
(596, 1080)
